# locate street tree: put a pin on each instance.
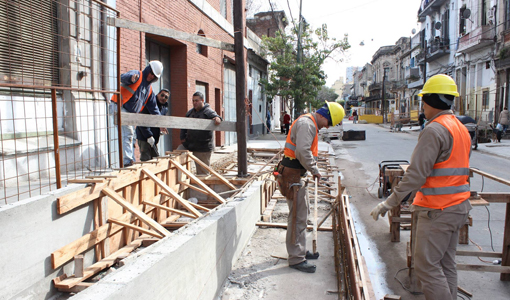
(299, 83)
(324, 94)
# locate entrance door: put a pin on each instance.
(157, 51)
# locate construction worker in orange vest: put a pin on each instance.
(439, 172)
(301, 153)
(136, 94)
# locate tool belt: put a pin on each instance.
(286, 177)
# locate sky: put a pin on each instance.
(375, 22)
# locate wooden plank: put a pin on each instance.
(172, 193)
(479, 253)
(462, 290)
(85, 181)
(101, 176)
(479, 202)
(483, 268)
(132, 209)
(496, 197)
(137, 228)
(175, 122)
(173, 210)
(197, 181)
(175, 225)
(198, 206)
(97, 267)
(268, 212)
(194, 188)
(284, 226)
(77, 288)
(171, 33)
(490, 176)
(212, 171)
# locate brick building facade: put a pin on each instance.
(188, 67)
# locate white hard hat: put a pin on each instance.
(157, 67)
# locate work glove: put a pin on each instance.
(381, 209)
(151, 141)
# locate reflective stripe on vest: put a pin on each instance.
(127, 91)
(447, 184)
(290, 147)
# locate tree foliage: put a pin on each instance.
(299, 82)
(324, 94)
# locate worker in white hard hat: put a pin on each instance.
(301, 155)
(439, 173)
(136, 94)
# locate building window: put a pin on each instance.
(485, 99)
(462, 23)
(445, 28)
(223, 8)
(201, 49)
(29, 46)
(484, 10)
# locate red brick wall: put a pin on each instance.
(186, 65)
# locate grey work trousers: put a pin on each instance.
(437, 235)
(205, 157)
(297, 248)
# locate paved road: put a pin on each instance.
(359, 161)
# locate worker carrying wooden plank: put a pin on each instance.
(300, 155)
(439, 172)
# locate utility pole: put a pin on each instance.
(299, 52)
(239, 23)
(383, 95)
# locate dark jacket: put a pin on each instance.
(421, 119)
(141, 95)
(199, 140)
(143, 133)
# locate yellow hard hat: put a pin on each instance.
(336, 111)
(440, 84)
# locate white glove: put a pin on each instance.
(381, 209)
(151, 141)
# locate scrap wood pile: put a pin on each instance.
(133, 207)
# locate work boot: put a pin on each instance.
(304, 266)
(310, 255)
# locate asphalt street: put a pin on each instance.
(358, 161)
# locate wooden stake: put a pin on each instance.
(314, 241)
(212, 171)
(132, 209)
(137, 228)
(171, 193)
(173, 210)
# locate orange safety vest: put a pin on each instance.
(290, 147)
(127, 91)
(448, 184)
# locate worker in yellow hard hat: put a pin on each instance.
(439, 174)
(300, 155)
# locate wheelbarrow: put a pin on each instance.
(384, 178)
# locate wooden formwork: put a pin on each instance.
(132, 206)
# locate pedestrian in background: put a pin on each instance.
(282, 126)
(504, 118)
(355, 116)
(439, 172)
(200, 142)
(421, 120)
(286, 122)
(148, 137)
(136, 94)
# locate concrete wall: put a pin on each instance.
(31, 231)
(191, 264)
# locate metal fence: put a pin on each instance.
(58, 68)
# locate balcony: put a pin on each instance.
(412, 74)
(436, 48)
(430, 6)
(478, 38)
(375, 86)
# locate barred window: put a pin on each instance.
(28, 46)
